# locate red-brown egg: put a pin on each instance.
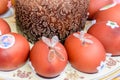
(4, 27)
(109, 14)
(95, 5)
(14, 51)
(108, 33)
(3, 6)
(85, 52)
(48, 58)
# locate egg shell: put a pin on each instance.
(111, 14)
(95, 5)
(14, 51)
(85, 56)
(44, 62)
(109, 36)
(4, 27)
(3, 6)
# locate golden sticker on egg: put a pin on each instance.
(7, 41)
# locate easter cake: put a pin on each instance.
(37, 18)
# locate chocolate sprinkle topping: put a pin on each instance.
(37, 18)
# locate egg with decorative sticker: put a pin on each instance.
(3, 6)
(95, 5)
(14, 51)
(48, 57)
(108, 33)
(111, 13)
(85, 52)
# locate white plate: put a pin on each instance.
(111, 70)
(9, 13)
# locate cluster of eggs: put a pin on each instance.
(107, 24)
(49, 57)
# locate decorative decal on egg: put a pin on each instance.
(82, 37)
(7, 41)
(112, 24)
(52, 42)
(108, 6)
(54, 50)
